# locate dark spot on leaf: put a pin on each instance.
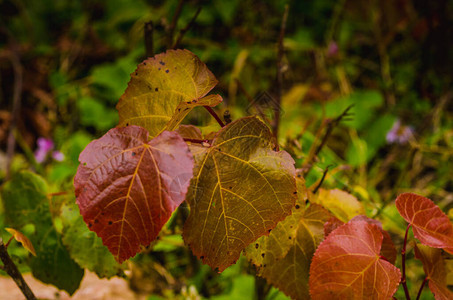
(291, 226)
(133, 153)
(201, 257)
(194, 101)
(127, 124)
(188, 102)
(166, 71)
(110, 222)
(156, 89)
(158, 69)
(162, 63)
(136, 73)
(262, 254)
(144, 63)
(179, 109)
(186, 108)
(295, 193)
(264, 265)
(289, 237)
(257, 246)
(89, 225)
(297, 206)
(96, 221)
(269, 230)
(230, 187)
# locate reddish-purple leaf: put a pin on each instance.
(127, 186)
(430, 225)
(434, 266)
(347, 265)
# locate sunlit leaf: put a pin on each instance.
(164, 89)
(343, 205)
(84, 246)
(430, 225)
(127, 186)
(347, 265)
(434, 266)
(388, 249)
(21, 238)
(241, 189)
(290, 273)
(282, 237)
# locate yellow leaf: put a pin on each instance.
(22, 239)
(164, 89)
(341, 204)
(240, 190)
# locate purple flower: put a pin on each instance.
(45, 146)
(332, 49)
(399, 133)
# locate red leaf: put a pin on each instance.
(430, 225)
(127, 187)
(388, 249)
(434, 267)
(347, 265)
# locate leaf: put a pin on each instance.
(290, 273)
(281, 238)
(25, 201)
(164, 89)
(84, 246)
(127, 187)
(241, 189)
(21, 238)
(53, 264)
(434, 266)
(388, 249)
(347, 265)
(343, 205)
(430, 225)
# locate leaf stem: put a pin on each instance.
(421, 288)
(12, 271)
(216, 117)
(197, 141)
(9, 241)
(403, 262)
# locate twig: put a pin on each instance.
(185, 29)
(18, 82)
(149, 41)
(324, 174)
(403, 262)
(12, 271)
(279, 82)
(421, 288)
(171, 29)
(213, 113)
(330, 126)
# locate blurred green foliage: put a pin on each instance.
(391, 60)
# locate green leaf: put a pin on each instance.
(164, 89)
(241, 189)
(26, 202)
(85, 247)
(53, 263)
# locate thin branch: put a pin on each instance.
(149, 40)
(17, 91)
(421, 288)
(213, 113)
(183, 31)
(174, 21)
(331, 125)
(324, 174)
(9, 241)
(279, 81)
(403, 262)
(14, 273)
